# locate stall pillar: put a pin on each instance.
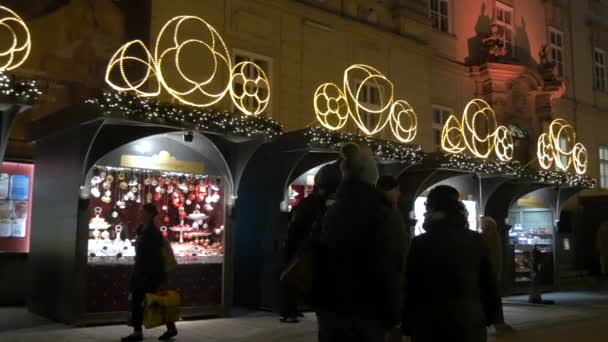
(57, 253)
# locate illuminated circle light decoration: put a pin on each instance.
(14, 52)
(246, 82)
(334, 105)
(458, 136)
(549, 150)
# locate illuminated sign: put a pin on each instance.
(162, 161)
(478, 133)
(559, 146)
(18, 47)
(334, 105)
(246, 82)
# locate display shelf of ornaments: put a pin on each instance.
(190, 214)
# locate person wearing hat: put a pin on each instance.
(301, 222)
(360, 268)
(450, 280)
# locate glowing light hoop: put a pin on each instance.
(205, 97)
(404, 133)
(260, 82)
(333, 105)
(119, 59)
(452, 129)
(19, 49)
(550, 151)
(458, 136)
(375, 76)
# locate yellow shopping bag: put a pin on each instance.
(161, 308)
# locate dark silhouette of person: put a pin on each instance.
(149, 273)
(451, 288)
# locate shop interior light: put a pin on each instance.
(246, 82)
(458, 136)
(334, 105)
(559, 146)
(19, 48)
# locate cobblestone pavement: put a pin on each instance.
(582, 320)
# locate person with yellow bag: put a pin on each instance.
(154, 259)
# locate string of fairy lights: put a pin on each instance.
(319, 137)
(16, 90)
(129, 107)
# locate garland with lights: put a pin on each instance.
(384, 150)
(17, 90)
(560, 178)
(511, 168)
(126, 106)
(468, 163)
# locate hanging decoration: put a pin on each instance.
(367, 97)
(384, 150)
(17, 50)
(126, 106)
(553, 147)
(246, 82)
(478, 133)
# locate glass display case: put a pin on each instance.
(531, 228)
(190, 207)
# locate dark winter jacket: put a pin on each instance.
(301, 222)
(361, 256)
(450, 292)
(149, 271)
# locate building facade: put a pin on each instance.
(532, 60)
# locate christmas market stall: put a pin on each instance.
(477, 158)
(282, 172)
(16, 95)
(126, 149)
(531, 214)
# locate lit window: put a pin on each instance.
(504, 20)
(599, 70)
(440, 115)
(440, 15)
(265, 64)
(604, 167)
(556, 44)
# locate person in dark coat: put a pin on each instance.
(451, 293)
(149, 273)
(360, 265)
(301, 222)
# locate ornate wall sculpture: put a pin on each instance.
(242, 81)
(478, 133)
(558, 147)
(334, 105)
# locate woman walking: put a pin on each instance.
(149, 273)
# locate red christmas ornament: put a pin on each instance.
(192, 197)
(167, 219)
(165, 234)
(161, 182)
(182, 215)
(177, 199)
(191, 180)
(157, 197)
(197, 207)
